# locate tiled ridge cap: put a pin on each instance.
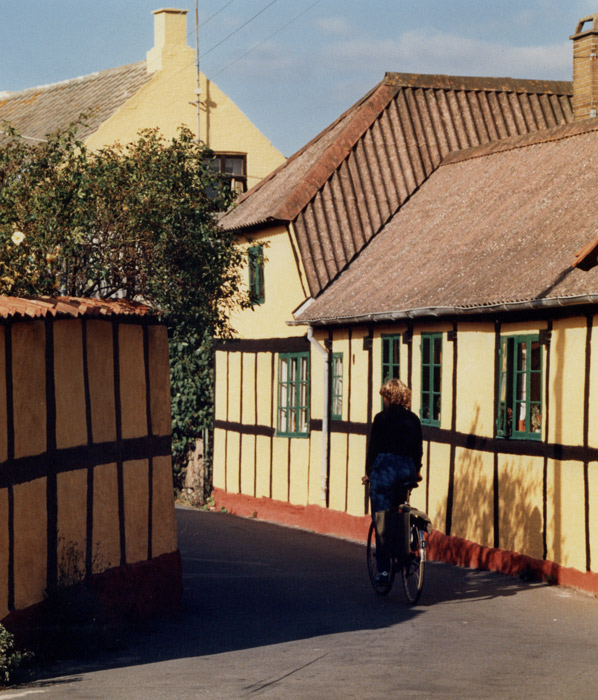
(489, 84)
(556, 133)
(75, 307)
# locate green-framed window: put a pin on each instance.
(391, 346)
(336, 386)
(431, 346)
(519, 398)
(293, 394)
(257, 290)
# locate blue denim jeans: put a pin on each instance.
(388, 476)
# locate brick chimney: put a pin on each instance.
(170, 39)
(585, 68)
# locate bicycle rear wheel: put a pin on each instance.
(413, 571)
(379, 587)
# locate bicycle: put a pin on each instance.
(403, 536)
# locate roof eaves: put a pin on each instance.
(443, 311)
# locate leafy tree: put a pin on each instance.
(136, 221)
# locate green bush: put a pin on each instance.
(11, 658)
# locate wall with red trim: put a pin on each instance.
(441, 547)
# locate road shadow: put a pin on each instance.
(250, 584)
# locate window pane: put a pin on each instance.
(425, 410)
(426, 379)
(282, 420)
(385, 350)
(436, 415)
(437, 351)
(233, 166)
(303, 420)
(437, 379)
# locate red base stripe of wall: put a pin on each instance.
(444, 548)
(132, 592)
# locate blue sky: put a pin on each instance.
(296, 82)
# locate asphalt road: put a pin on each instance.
(273, 612)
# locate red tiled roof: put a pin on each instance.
(15, 307)
(494, 227)
(345, 185)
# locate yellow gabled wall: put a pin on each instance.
(284, 288)
(165, 101)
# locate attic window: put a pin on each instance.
(234, 166)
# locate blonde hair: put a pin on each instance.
(396, 392)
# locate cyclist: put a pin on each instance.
(394, 456)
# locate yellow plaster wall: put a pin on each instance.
(72, 525)
(299, 471)
(283, 290)
(475, 378)
(280, 469)
(71, 424)
(234, 387)
(164, 102)
(359, 380)
(520, 482)
(473, 497)
(3, 426)
(233, 454)
(593, 513)
(315, 471)
(164, 534)
(136, 489)
(30, 542)
(566, 381)
(132, 381)
(565, 538)
(29, 387)
(247, 464)
(439, 483)
(219, 473)
(593, 408)
(266, 395)
(3, 553)
(338, 471)
(264, 456)
(101, 380)
(248, 388)
(355, 495)
(159, 380)
(220, 388)
(105, 529)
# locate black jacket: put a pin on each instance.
(395, 430)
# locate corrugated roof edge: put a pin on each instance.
(444, 311)
(557, 133)
(74, 307)
(355, 129)
(462, 82)
(286, 215)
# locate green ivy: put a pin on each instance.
(137, 221)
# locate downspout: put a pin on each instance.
(325, 416)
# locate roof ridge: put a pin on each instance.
(555, 133)
(9, 94)
(485, 84)
(291, 159)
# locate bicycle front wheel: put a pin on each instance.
(413, 571)
(381, 587)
